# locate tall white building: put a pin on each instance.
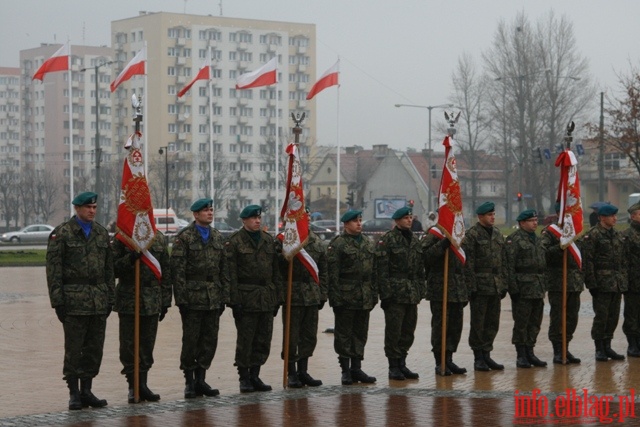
(244, 121)
(9, 133)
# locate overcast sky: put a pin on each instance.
(394, 51)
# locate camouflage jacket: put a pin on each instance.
(554, 255)
(253, 271)
(199, 272)
(304, 290)
(352, 283)
(399, 268)
(433, 258)
(80, 270)
(486, 266)
(526, 265)
(154, 294)
(632, 249)
(604, 260)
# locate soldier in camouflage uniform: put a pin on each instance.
(433, 251)
(631, 324)
(526, 266)
(201, 289)
(554, 254)
(255, 296)
(81, 286)
(352, 295)
(307, 297)
(155, 299)
(605, 275)
(401, 284)
(486, 272)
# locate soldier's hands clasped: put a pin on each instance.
(61, 312)
(445, 243)
(221, 309)
(321, 305)
(385, 303)
(163, 313)
(237, 311)
(275, 312)
(135, 255)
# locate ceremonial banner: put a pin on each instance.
(295, 217)
(135, 67)
(58, 62)
(263, 76)
(450, 219)
(570, 215)
(328, 79)
(135, 224)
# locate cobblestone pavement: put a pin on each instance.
(33, 393)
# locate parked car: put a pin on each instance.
(378, 225)
(326, 223)
(323, 232)
(224, 228)
(36, 233)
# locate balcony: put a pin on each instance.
(301, 86)
(181, 60)
(302, 49)
(243, 119)
(242, 101)
(181, 79)
(243, 46)
(182, 136)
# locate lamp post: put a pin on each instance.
(428, 107)
(165, 150)
(97, 150)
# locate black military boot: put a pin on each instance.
(256, 382)
(357, 374)
(245, 381)
(492, 364)
(601, 355)
(455, 369)
(130, 396)
(201, 387)
(394, 370)
(610, 353)
(74, 394)
(521, 356)
(87, 397)
(346, 372)
(145, 392)
(447, 371)
(571, 358)
(533, 359)
(304, 376)
(557, 353)
(479, 362)
(633, 350)
(292, 376)
(408, 374)
(190, 384)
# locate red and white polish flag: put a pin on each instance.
(263, 76)
(58, 62)
(203, 74)
(328, 79)
(135, 67)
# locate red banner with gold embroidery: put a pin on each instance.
(570, 215)
(294, 215)
(136, 225)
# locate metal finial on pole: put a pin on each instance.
(568, 139)
(452, 118)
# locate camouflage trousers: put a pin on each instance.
(631, 324)
(606, 306)
(148, 332)
(199, 338)
(485, 321)
(350, 333)
(83, 345)
(455, 321)
(303, 332)
(253, 342)
(527, 318)
(555, 316)
(400, 322)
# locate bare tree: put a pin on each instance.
(9, 206)
(47, 195)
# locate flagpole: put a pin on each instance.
(275, 210)
(564, 306)
(144, 105)
(71, 190)
(213, 189)
(287, 324)
(136, 311)
(338, 161)
(443, 342)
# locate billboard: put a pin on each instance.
(384, 208)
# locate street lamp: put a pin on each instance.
(97, 142)
(428, 107)
(165, 150)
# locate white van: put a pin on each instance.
(166, 220)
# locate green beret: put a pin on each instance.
(200, 204)
(350, 215)
(634, 208)
(527, 214)
(486, 208)
(86, 198)
(402, 212)
(607, 210)
(250, 211)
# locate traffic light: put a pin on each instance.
(410, 203)
(519, 195)
(434, 173)
(350, 199)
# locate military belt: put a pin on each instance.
(492, 270)
(81, 281)
(200, 278)
(258, 282)
(529, 270)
